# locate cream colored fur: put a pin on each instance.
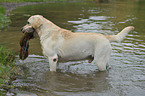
(60, 45)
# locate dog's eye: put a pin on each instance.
(28, 22)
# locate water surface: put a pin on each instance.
(127, 74)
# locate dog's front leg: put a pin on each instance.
(53, 62)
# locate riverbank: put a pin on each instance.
(8, 69)
(10, 5)
(7, 64)
(7, 57)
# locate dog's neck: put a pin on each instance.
(47, 29)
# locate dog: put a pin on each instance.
(61, 45)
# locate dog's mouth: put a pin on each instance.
(30, 31)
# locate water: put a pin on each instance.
(127, 74)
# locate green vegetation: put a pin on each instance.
(7, 60)
(7, 57)
(7, 69)
(4, 21)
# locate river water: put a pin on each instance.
(127, 74)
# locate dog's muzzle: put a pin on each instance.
(30, 31)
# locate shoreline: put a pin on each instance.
(9, 6)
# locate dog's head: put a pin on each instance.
(33, 23)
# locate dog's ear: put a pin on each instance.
(37, 22)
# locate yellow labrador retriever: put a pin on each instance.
(60, 45)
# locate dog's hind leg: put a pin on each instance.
(53, 62)
(102, 56)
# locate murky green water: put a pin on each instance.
(127, 74)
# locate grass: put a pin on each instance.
(7, 57)
(7, 69)
(7, 64)
(4, 21)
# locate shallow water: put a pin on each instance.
(127, 74)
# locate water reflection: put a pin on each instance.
(61, 82)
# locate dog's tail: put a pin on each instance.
(120, 36)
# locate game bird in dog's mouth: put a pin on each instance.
(61, 45)
(24, 43)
